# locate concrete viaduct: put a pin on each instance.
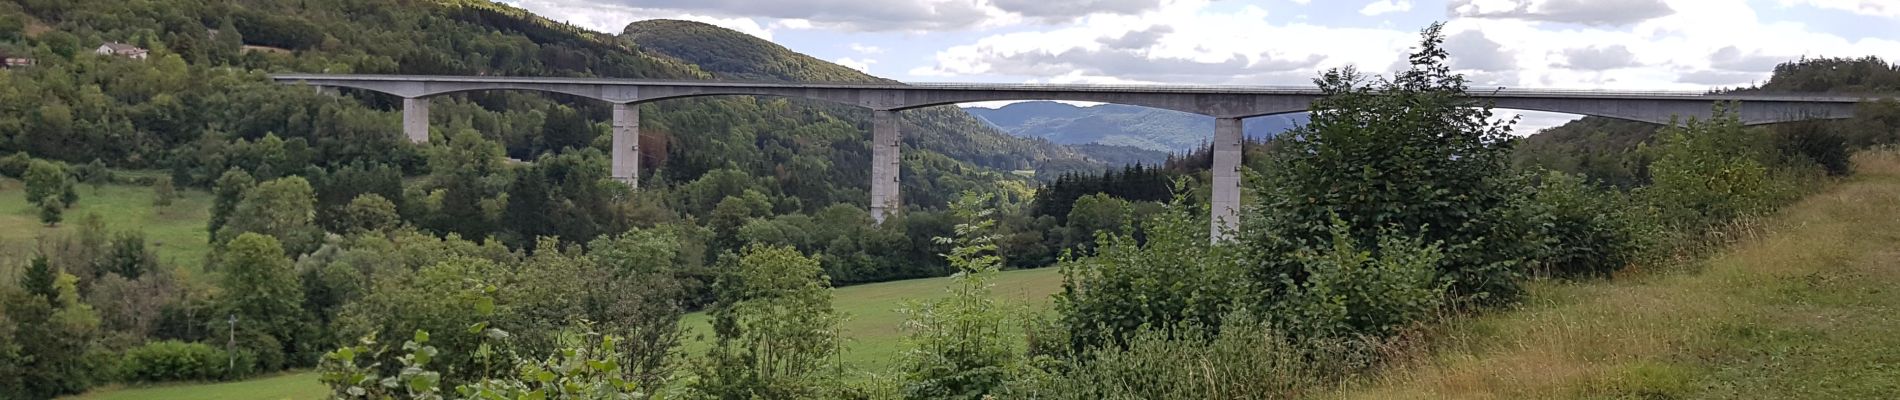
(1227, 104)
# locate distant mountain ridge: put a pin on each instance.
(1121, 125)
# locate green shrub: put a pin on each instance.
(957, 348)
(1350, 290)
(14, 166)
(1709, 172)
(1593, 231)
(1175, 277)
(1413, 155)
(171, 360)
(1245, 361)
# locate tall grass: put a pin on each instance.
(1792, 307)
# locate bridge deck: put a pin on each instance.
(1085, 88)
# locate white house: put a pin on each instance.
(122, 50)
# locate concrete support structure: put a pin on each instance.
(1225, 203)
(415, 119)
(626, 150)
(884, 164)
(1227, 103)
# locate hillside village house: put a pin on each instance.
(121, 50)
(12, 61)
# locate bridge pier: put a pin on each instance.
(1225, 202)
(415, 119)
(884, 164)
(626, 144)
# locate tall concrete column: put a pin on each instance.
(1226, 199)
(626, 151)
(884, 169)
(415, 119)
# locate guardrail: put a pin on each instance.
(1041, 87)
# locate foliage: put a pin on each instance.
(1710, 171)
(284, 209)
(776, 332)
(261, 291)
(51, 213)
(128, 256)
(54, 335)
(1245, 360)
(370, 212)
(39, 277)
(227, 192)
(448, 296)
(1412, 156)
(163, 192)
(587, 369)
(171, 360)
(1174, 278)
(47, 182)
(958, 348)
(1352, 290)
(1594, 231)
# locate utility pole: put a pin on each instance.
(230, 346)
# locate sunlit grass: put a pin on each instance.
(175, 232)
(293, 386)
(1803, 308)
(873, 338)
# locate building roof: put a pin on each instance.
(117, 47)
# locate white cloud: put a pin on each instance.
(866, 49)
(1183, 42)
(1386, 7)
(862, 65)
(1878, 8)
(1590, 12)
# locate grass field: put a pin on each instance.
(1806, 308)
(295, 386)
(873, 337)
(176, 232)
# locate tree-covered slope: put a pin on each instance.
(1121, 125)
(732, 55)
(1606, 149)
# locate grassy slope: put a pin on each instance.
(176, 232)
(874, 337)
(1804, 309)
(296, 386)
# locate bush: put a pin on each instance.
(1352, 291)
(1176, 277)
(1413, 155)
(1709, 172)
(14, 166)
(1593, 231)
(1245, 361)
(171, 360)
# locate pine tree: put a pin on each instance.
(38, 279)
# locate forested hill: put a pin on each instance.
(815, 153)
(1607, 150)
(733, 55)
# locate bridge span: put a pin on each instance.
(1228, 104)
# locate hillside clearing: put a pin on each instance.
(872, 329)
(290, 386)
(1803, 309)
(176, 232)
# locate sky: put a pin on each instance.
(1567, 44)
